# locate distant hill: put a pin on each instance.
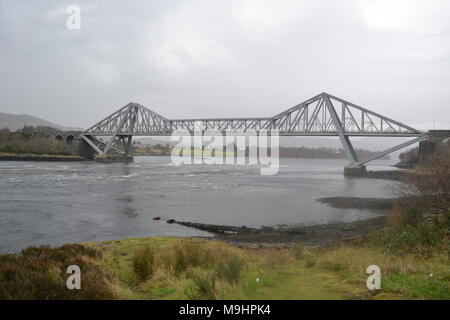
(18, 121)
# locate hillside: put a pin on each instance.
(18, 121)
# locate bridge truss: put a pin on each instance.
(322, 115)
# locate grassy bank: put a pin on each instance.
(414, 265)
(174, 268)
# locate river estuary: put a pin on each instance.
(59, 202)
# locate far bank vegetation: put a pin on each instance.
(31, 140)
(160, 149)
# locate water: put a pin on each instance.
(59, 202)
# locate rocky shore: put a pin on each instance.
(387, 174)
(358, 203)
(316, 235)
(321, 235)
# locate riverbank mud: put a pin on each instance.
(358, 203)
(384, 174)
(317, 235)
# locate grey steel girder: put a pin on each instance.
(321, 115)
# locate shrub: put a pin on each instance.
(422, 238)
(144, 263)
(187, 254)
(175, 259)
(430, 185)
(403, 215)
(230, 269)
(203, 287)
(419, 222)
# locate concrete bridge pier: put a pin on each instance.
(75, 145)
(431, 145)
(85, 150)
(355, 170)
(426, 148)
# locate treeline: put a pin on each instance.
(31, 140)
(284, 152)
(322, 153)
(152, 150)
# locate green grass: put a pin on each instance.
(230, 268)
(421, 286)
(144, 263)
(203, 287)
(299, 273)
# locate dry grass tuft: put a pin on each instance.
(40, 273)
(356, 260)
(184, 255)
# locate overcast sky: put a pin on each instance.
(225, 58)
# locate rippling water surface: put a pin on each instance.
(59, 202)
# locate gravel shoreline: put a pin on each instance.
(320, 235)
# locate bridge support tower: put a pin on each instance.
(355, 170)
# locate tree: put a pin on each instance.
(430, 185)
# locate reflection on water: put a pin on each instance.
(54, 203)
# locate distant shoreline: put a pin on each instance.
(38, 157)
(56, 157)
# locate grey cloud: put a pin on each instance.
(221, 58)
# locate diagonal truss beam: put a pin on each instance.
(348, 148)
(121, 124)
(364, 110)
(390, 150)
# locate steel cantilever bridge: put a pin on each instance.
(322, 115)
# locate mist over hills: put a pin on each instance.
(17, 121)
